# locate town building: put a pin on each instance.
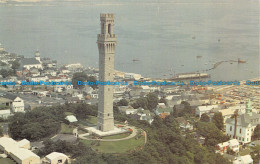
(16, 103)
(246, 124)
(18, 151)
(55, 158)
(232, 144)
(28, 63)
(205, 109)
(246, 159)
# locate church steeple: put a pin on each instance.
(38, 56)
(249, 108)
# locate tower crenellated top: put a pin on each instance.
(106, 15)
(107, 28)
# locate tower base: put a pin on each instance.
(94, 130)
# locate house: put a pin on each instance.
(18, 151)
(158, 111)
(184, 124)
(29, 63)
(127, 109)
(5, 113)
(71, 118)
(55, 158)
(247, 159)
(5, 103)
(34, 72)
(73, 100)
(204, 109)
(232, 144)
(16, 104)
(246, 124)
(143, 115)
(161, 105)
(38, 78)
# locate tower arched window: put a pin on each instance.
(109, 29)
(103, 28)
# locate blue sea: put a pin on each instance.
(166, 36)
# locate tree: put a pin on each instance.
(122, 102)
(204, 118)
(4, 73)
(235, 115)
(256, 134)
(140, 102)
(1, 132)
(152, 100)
(15, 65)
(2, 63)
(218, 120)
(79, 76)
(211, 133)
(183, 110)
(92, 79)
(256, 154)
(36, 124)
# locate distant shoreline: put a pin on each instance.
(21, 1)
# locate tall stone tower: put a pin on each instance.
(106, 45)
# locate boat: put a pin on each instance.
(134, 60)
(199, 56)
(241, 61)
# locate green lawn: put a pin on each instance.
(66, 129)
(91, 120)
(117, 136)
(244, 152)
(119, 146)
(6, 161)
(86, 142)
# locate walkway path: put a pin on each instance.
(133, 134)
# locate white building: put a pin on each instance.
(38, 78)
(17, 104)
(205, 109)
(127, 110)
(29, 63)
(56, 158)
(246, 124)
(74, 66)
(71, 118)
(232, 144)
(18, 151)
(5, 113)
(247, 159)
(133, 76)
